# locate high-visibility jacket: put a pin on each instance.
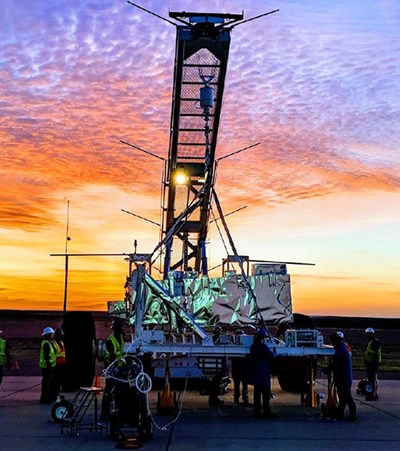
(59, 348)
(52, 356)
(373, 353)
(3, 355)
(118, 348)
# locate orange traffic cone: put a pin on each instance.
(97, 382)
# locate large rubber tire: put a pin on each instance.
(293, 372)
(79, 337)
(61, 411)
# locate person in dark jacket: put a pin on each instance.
(261, 358)
(343, 376)
(240, 368)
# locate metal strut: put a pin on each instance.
(238, 259)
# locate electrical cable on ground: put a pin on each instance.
(19, 391)
(166, 426)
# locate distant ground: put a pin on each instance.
(23, 329)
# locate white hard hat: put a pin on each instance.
(341, 334)
(48, 330)
(369, 330)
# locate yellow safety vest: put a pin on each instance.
(372, 356)
(60, 352)
(118, 349)
(52, 357)
(3, 357)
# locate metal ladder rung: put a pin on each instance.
(81, 402)
(200, 65)
(191, 144)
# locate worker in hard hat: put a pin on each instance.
(61, 361)
(4, 355)
(343, 377)
(115, 349)
(47, 362)
(341, 335)
(372, 360)
(261, 358)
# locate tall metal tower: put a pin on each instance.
(202, 49)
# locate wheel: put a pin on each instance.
(79, 335)
(292, 382)
(61, 410)
(293, 372)
(100, 350)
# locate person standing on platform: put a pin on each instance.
(115, 348)
(343, 377)
(341, 335)
(47, 362)
(59, 373)
(240, 368)
(261, 358)
(4, 355)
(372, 360)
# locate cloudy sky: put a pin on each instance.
(316, 83)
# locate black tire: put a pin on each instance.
(79, 336)
(61, 411)
(293, 372)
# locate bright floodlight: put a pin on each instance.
(180, 179)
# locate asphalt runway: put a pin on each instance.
(27, 425)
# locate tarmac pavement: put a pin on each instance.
(27, 425)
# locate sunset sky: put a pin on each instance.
(318, 84)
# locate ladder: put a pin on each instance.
(82, 417)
